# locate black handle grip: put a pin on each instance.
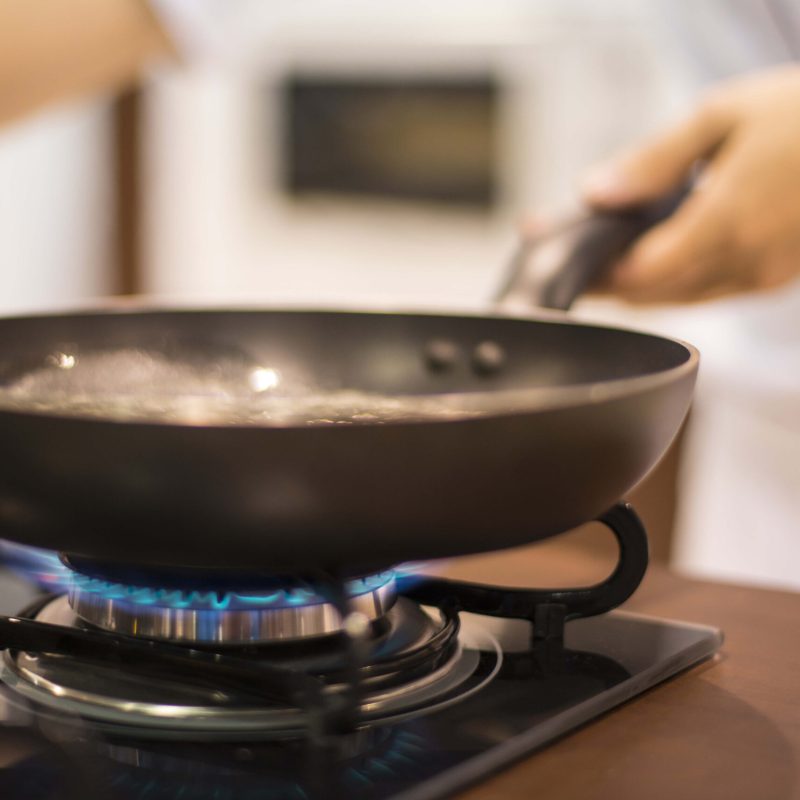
(554, 269)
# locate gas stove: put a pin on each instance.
(123, 682)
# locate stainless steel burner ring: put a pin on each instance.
(230, 618)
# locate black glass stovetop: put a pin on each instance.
(539, 694)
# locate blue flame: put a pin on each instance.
(402, 754)
(42, 567)
(291, 596)
(45, 569)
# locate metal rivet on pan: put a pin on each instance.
(488, 357)
(441, 354)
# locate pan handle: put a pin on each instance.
(552, 270)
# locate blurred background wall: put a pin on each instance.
(505, 103)
(56, 215)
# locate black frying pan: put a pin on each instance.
(547, 423)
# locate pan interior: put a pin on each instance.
(284, 368)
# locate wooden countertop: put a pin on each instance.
(728, 729)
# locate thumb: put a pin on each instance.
(658, 166)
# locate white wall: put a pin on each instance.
(55, 208)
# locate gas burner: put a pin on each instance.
(226, 610)
(141, 647)
(452, 681)
(418, 663)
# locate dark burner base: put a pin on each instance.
(540, 694)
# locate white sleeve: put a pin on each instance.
(194, 26)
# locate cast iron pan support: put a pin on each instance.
(548, 609)
(337, 713)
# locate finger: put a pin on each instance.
(684, 256)
(658, 166)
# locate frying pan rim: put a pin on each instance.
(531, 400)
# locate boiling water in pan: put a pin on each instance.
(137, 385)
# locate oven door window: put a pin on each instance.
(419, 140)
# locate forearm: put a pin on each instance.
(51, 50)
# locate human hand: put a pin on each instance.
(739, 230)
